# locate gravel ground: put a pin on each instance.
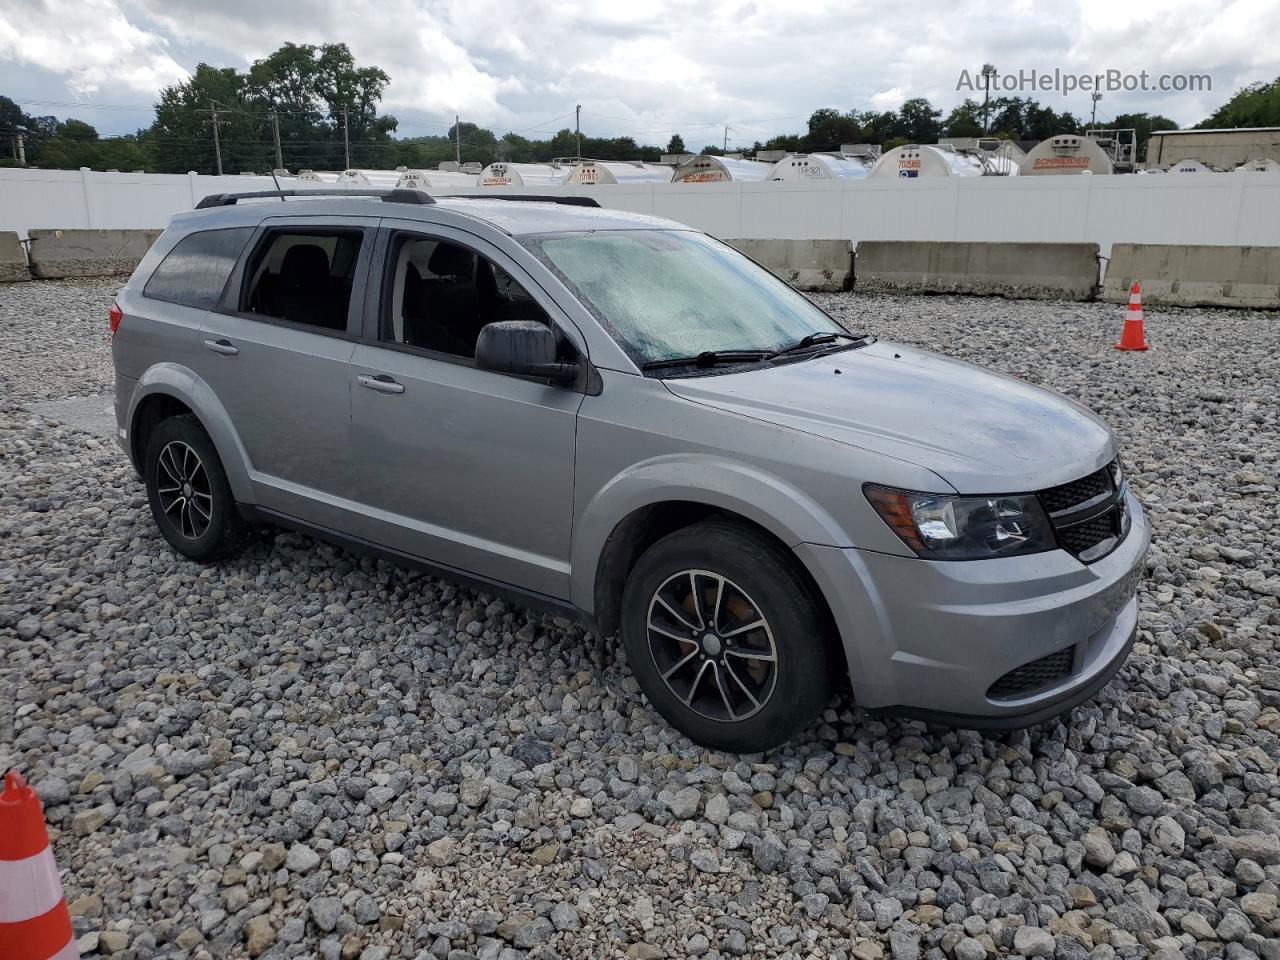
(54, 338)
(305, 752)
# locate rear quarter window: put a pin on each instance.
(195, 271)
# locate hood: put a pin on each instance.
(982, 432)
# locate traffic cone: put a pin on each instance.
(34, 922)
(1132, 337)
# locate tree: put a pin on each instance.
(1257, 105)
(676, 144)
(920, 120)
(964, 120)
(1143, 124)
(313, 92)
(828, 129)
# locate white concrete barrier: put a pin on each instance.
(13, 259)
(807, 264)
(1041, 271)
(1195, 275)
(56, 254)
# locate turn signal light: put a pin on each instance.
(115, 315)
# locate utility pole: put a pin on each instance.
(275, 133)
(217, 144)
(988, 71)
(1093, 118)
(346, 138)
(725, 149)
(457, 139)
(577, 128)
(20, 148)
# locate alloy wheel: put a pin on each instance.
(712, 646)
(182, 483)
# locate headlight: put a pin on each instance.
(941, 527)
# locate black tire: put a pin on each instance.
(180, 451)
(767, 702)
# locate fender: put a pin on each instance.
(777, 506)
(183, 384)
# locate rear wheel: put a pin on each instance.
(188, 491)
(726, 638)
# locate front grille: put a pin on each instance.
(1030, 677)
(1067, 495)
(1089, 515)
(1082, 537)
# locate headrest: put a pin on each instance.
(448, 260)
(306, 260)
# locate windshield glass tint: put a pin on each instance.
(669, 293)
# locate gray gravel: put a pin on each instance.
(54, 338)
(303, 752)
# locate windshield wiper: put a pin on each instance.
(709, 358)
(815, 339)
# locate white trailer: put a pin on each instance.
(503, 174)
(1067, 153)
(618, 171)
(705, 168)
(913, 161)
(821, 166)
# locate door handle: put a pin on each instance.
(382, 383)
(222, 346)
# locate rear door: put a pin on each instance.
(466, 467)
(276, 353)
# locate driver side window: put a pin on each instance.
(441, 295)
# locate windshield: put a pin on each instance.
(666, 294)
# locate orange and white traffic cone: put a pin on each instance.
(34, 923)
(1132, 336)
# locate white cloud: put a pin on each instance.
(90, 43)
(649, 67)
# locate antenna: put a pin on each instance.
(276, 181)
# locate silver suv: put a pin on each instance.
(623, 420)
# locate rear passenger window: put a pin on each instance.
(304, 277)
(195, 271)
(442, 294)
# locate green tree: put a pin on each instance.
(920, 121)
(964, 120)
(676, 144)
(1257, 105)
(1143, 124)
(828, 129)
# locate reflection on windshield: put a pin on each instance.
(670, 293)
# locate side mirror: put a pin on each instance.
(522, 347)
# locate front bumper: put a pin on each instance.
(931, 638)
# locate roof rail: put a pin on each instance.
(387, 196)
(527, 198)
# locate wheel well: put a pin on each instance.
(151, 411)
(643, 528)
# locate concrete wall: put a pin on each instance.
(807, 264)
(1222, 149)
(1195, 275)
(13, 259)
(87, 253)
(1066, 271)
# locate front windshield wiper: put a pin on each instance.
(814, 339)
(709, 358)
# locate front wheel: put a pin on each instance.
(188, 491)
(726, 638)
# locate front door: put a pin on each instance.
(464, 467)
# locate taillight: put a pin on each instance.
(115, 315)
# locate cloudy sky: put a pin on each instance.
(642, 67)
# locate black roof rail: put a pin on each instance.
(387, 196)
(528, 198)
